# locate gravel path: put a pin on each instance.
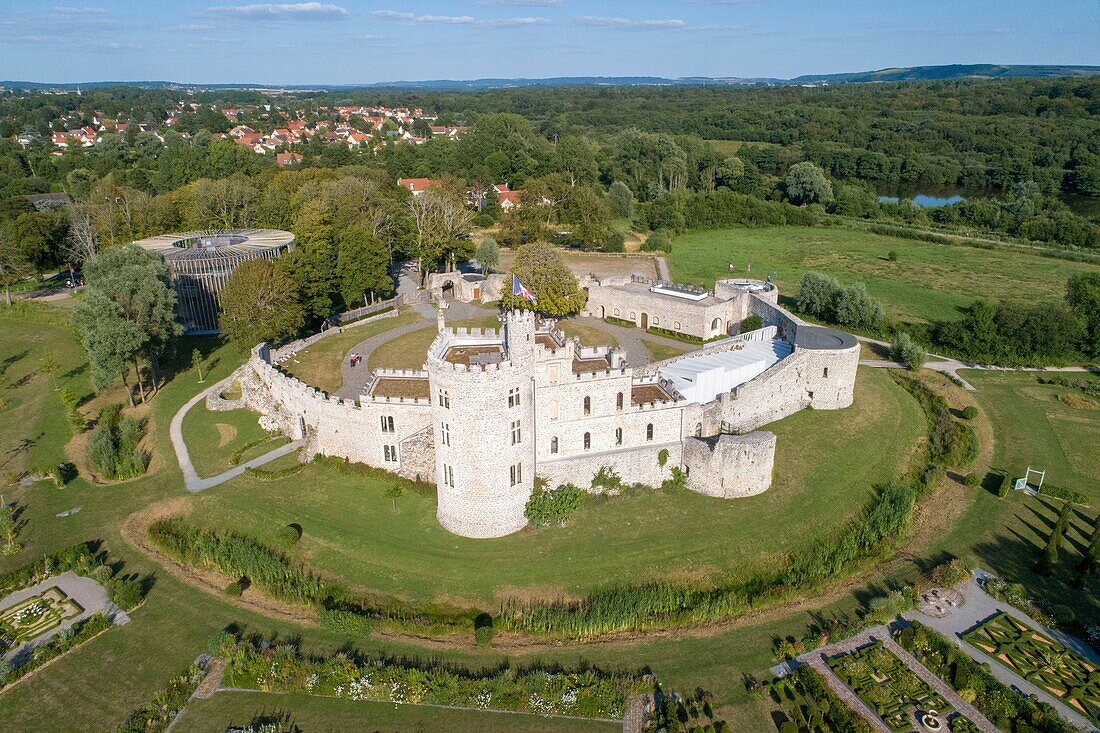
(87, 593)
(979, 607)
(191, 480)
(630, 339)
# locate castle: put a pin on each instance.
(491, 410)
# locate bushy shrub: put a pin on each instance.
(288, 535)
(71, 403)
(659, 241)
(973, 479)
(345, 622)
(907, 352)
(127, 592)
(553, 508)
(157, 714)
(483, 630)
(1058, 492)
(970, 412)
(607, 480)
(483, 220)
(752, 323)
(114, 449)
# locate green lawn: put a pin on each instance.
(660, 351)
(588, 335)
(1035, 428)
(822, 479)
(319, 365)
(214, 437)
(1031, 426)
(411, 350)
(237, 709)
(33, 429)
(928, 281)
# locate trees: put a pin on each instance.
(541, 268)
(14, 266)
(621, 199)
(807, 184)
(1083, 297)
(822, 296)
(362, 266)
(129, 311)
(260, 303)
(488, 254)
(439, 218)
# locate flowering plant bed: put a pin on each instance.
(1042, 661)
(588, 692)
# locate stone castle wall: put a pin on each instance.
(334, 426)
(730, 466)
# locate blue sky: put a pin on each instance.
(361, 41)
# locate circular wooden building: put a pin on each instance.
(200, 264)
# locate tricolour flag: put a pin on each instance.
(519, 289)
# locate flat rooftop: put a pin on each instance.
(643, 394)
(591, 366)
(545, 339)
(821, 338)
(644, 289)
(398, 387)
(703, 376)
(476, 355)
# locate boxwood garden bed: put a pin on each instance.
(1042, 661)
(888, 686)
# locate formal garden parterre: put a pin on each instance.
(1041, 660)
(895, 692)
(37, 615)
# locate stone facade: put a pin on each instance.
(494, 409)
(730, 466)
(467, 287)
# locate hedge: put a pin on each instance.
(62, 642)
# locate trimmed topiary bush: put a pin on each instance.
(970, 412)
(973, 479)
(483, 630)
(288, 536)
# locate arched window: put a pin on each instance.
(619, 401)
(587, 405)
(616, 311)
(649, 432)
(618, 436)
(716, 324)
(698, 430)
(676, 325)
(633, 315)
(554, 445)
(656, 321)
(587, 441)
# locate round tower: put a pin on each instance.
(482, 392)
(519, 336)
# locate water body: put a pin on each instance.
(925, 200)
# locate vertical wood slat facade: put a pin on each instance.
(200, 264)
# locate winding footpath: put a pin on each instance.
(191, 480)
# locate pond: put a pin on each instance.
(925, 200)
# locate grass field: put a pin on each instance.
(822, 479)
(410, 351)
(660, 352)
(927, 282)
(214, 437)
(237, 709)
(1036, 428)
(319, 364)
(588, 335)
(33, 429)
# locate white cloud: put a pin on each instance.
(280, 11)
(69, 10)
(630, 23)
(412, 18)
(523, 3)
